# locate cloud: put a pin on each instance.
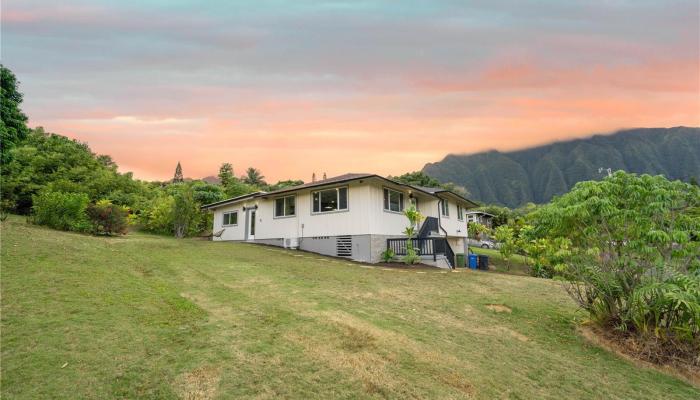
(292, 87)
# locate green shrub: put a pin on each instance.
(108, 218)
(629, 249)
(388, 255)
(64, 211)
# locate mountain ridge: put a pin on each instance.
(538, 173)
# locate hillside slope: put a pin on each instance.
(146, 316)
(538, 174)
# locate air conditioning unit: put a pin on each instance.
(291, 243)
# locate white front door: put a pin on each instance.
(251, 225)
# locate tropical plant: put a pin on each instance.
(629, 250)
(388, 255)
(254, 177)
(414, 218)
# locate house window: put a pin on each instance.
(393, 200)
(285, 206)
(231, 218)
(330, 200)
(460, 213)
(444, 208)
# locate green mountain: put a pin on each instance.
(539, 173)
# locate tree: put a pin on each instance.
(254, 177)
(45, 161)
(506, 239)
(629, 249)
(417, 178)
(226, 174)
(185, 212)
(13, 122)
(177, 178)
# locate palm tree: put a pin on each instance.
(254, 177)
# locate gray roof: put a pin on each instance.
(334, 180)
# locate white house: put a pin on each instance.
(353, 215)
(480, 217)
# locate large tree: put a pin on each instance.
(13, 122)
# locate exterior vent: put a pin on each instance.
(291, 243)
(343, 246)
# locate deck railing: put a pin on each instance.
(424, 246)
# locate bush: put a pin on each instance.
(64, 211)
(629, 249)
(388, 255)
(108, 218)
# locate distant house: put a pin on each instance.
(357, 216)
(480, 217)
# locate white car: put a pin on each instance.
(487, 244)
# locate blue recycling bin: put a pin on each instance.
(473, 261)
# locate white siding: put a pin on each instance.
(365, 215)
(452, 224)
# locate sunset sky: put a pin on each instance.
(294, 87)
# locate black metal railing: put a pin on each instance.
(424, 247)
(430, 224)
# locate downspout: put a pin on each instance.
(447, 242)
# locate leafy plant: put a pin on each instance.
(414, 218)
(629, 250)
(388, 255)
(477, 230)
(508, 246)
(108, 218)
(64, 211)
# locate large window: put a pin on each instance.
(460, 213)
(393, 200)
(330, 200)
(444, 208)
(285, 206)
(231, 218)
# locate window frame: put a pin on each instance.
(402, 200)
(225, 213)
(444, 208)
(284, 207)
(460, 212)
(337, 199)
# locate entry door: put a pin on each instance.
(251, 228)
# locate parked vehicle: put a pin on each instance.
(487, 244)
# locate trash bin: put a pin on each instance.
(460, 260)
(483, 262)
(473, 261)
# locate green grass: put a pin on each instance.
(516, 265)
(154, 317)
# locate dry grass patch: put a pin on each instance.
(199, 384)
(499, 308)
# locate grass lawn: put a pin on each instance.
(517, 264)
(154, 317)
